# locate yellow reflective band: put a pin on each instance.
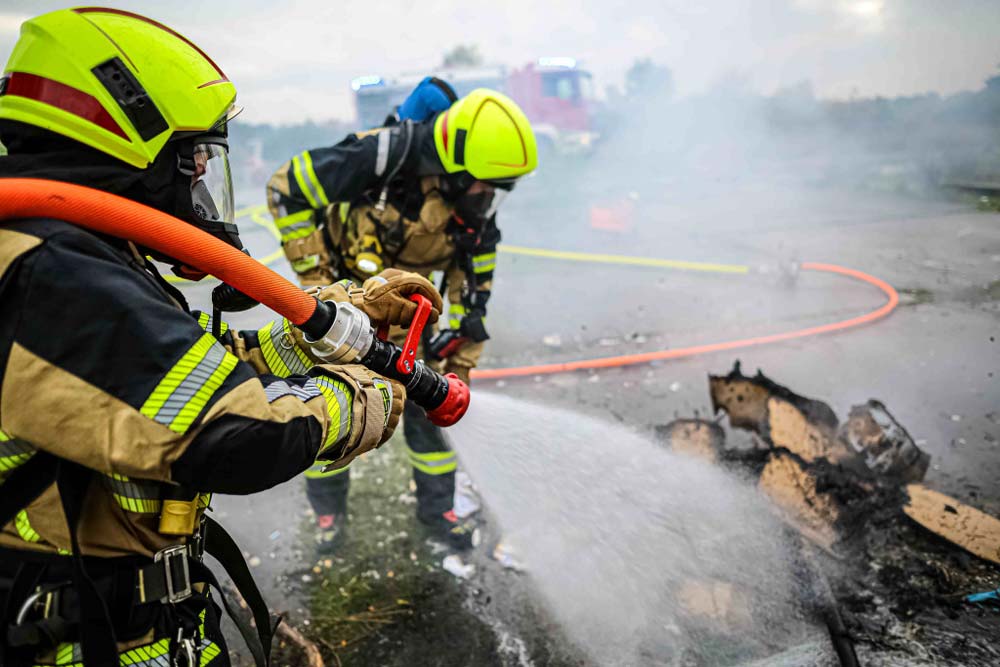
(145, 655)
(484, 263)
(151, 655)
(307, 363)
(298, 234)
(281, 353)
(209, 653)
(67, 654)
(297, 170)
(204, 500)
(344, 209)
(433, 463)
(320, 192)
(385, 389)
(455, 313)
(187, 387)
(315, 471)
(338, 398)
(14, 453)
(293, 219)
(305, 264)
(140, 496)
(205, 322)
(24, 528)
(270, 352)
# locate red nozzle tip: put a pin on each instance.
(455, 403)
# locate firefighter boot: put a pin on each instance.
(327, 494)
(434, 467)
(458, 534)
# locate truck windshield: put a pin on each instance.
(563, 85)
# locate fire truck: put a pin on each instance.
(555, 93)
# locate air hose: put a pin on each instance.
(445, 398)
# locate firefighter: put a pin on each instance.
(121, 413)
(418, 196)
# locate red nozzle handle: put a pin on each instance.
(455, 403)
(408, 358)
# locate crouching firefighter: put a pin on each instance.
(420, 195)
(120, 413)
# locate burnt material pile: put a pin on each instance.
(900, 559)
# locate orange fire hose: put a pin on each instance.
(127, 219)
(445, 398)
(680, 352)
(124, 218)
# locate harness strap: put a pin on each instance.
(97, 633)
(97, 636)
(220, 545)
(25, 484)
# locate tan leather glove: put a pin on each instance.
(387, 297)
(395, 409)
(377, 403)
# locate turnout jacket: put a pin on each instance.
(103, 365)
(324, 205)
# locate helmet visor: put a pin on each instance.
(498, 197)
(212, 184)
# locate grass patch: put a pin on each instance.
(915, 296)
(992, 291)
(384, 599)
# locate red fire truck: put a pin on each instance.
(555, 93)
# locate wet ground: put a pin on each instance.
(933, 363)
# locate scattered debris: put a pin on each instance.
(695, 437)
(974, 531)
(719, 601)
(841, 486)
(456, 566)
(467, 500)
(791, 488)
(507, 556)
(888, 449)
(552, 340)
(312, 654)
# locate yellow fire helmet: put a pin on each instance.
(486, 134)
(113, 80)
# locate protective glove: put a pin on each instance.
(473, 326)
(377, 403)
(385, 298)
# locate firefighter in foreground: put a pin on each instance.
(121, 413)
(419, 196)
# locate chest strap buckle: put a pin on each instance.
(176, 573)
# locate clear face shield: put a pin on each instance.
(481, 201)
(498, 197)
(212, 184)
(211, 187)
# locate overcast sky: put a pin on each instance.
(294, 60)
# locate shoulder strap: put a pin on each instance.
(25, 484)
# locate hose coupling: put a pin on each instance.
(348, 339)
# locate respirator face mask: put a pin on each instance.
(211, 188)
